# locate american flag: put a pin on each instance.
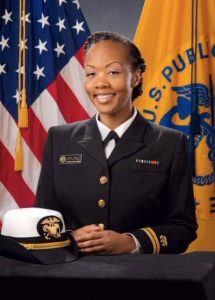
(55, 33)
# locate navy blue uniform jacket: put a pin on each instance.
(145, 185)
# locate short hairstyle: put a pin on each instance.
(137, 61)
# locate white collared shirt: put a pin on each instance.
(120, 130)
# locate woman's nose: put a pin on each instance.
(101, 82)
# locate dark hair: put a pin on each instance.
(137, 60)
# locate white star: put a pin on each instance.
(16, 96)
(78, 26)
(4, 42)
(44, 20)
(20, 70)
(7, 16)
(61, 24)
(26, 18)
(42, 46)
(77, 3)
(22, 44)
(59, 49)
(2, 70)
(39, 72)
(61, 1)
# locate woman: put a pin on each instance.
(130, 192)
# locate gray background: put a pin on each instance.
(112, 15)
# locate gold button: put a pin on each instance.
(101, 203)
(103, 179)
(102, 226)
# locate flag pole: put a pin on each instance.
(22, 101)
(194, 120)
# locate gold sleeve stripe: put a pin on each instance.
(152, 240)
(155, 243)
(155, 238)
(42, 246)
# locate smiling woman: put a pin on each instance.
(110, 81)
(113, 70)
(130, 188)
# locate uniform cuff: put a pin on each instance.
(137, 243)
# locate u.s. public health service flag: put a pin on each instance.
(177, 40)
(41, 85)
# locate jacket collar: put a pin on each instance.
(130, 142)
(92, 142)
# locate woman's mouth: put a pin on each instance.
(104, 98)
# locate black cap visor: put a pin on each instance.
(11, 248)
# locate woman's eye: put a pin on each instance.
(113, 72)
(91, 74)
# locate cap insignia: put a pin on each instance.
(50, 227)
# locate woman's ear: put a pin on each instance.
(136, 78)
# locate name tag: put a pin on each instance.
(69, 159)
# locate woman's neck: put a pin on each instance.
(114, 120)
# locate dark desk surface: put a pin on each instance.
(188, 276)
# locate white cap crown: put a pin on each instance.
(23, 222)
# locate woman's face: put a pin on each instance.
(109, 79)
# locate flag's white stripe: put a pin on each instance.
(7, 201)
(47, 111)
(32, 168)
(73, 74)
(8, 135)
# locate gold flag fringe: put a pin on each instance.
(22, 95)
(19, 153)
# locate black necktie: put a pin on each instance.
(111, 135)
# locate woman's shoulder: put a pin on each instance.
(154, 129)
(165, 131)
(69, 127)
(164, 136)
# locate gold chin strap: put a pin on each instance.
(43, 246)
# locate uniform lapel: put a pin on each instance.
(92, 142)
(131, 141)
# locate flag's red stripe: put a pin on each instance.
(68, 104)
(13, 181)
(80, 56)
(35, 135)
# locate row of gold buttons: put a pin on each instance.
(102, 202)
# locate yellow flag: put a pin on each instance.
(177, 40)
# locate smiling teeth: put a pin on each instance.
(104, 97)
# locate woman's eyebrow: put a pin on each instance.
(88, 65)
(113, 62)
(107, 65)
